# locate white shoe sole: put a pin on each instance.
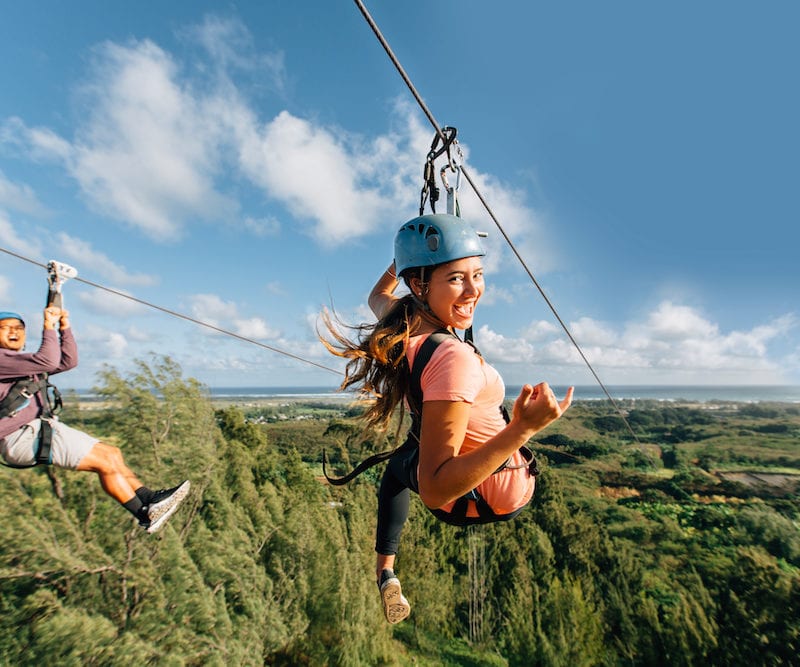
(160, 512)
(395, 605)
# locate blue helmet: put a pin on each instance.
(8, 315)
(435, 239)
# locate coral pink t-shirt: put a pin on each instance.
(456, 373)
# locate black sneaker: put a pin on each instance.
(395, 605)
(163, 504)
(144, 520)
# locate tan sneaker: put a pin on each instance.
(395, 605)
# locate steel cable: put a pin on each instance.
(182, 316)
(437, 128)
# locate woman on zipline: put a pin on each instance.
(464, 457)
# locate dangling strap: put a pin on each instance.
(366, 464)
(415, 402)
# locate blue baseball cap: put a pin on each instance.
(8, 315)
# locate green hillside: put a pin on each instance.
(681, 548)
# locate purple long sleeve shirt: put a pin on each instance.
(53, 356)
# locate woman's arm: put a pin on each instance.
(382, 298)
(444, 475)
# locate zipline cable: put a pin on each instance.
(424, 107)
(181, 315)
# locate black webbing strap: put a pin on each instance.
(43, 451)
(420, 361)
(458, 513)
(415, 402)
(45, 443)
(18, 397)
(429, 188)
(366, 464)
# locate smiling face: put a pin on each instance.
(12, 334)
(453, 290)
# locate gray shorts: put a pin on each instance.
(69, 446)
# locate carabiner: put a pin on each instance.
(452, 192)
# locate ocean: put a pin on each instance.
(667, 393)
(694, 393)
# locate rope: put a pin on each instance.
(477, 584)
(466, 175)
(181, 316)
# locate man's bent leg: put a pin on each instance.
(117, 480)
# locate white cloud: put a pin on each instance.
(19, 198)
(102, 302)
(103, 343)
(675, 322)
(138, 335)
(211, 309)
(254, 327)
(316, 174)
(37, 143)
(275, 287)
(541, 330)
(519, 221)
(262, 226)
(145, 153)
(160, 140)
(497, 347)
(674, 343)
(591, 332)
(230, 46)
(494, 294)
(81, 252)
(5, 288)
(10, 238)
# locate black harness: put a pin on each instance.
(458, 514)
(19, 396)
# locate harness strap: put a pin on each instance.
(415, 402)
(414, 398)
(415, 383)
(18, 397)
(367, 463)
(43, 456)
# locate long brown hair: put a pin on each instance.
(377, 366)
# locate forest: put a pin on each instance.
(678, 547)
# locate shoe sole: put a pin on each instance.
(395, 605)
(160, 512)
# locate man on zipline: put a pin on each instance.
(28, 427)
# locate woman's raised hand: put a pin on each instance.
(536, 407)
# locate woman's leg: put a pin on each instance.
(393, 505)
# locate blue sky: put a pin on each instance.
(247, 164)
